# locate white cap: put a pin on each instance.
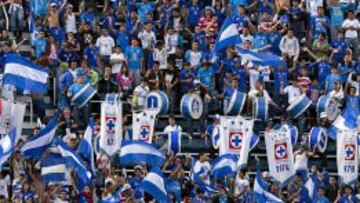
(265, 174)
(323, 114)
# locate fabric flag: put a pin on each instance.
(223, 166)
(137, 152)
(260, 58)
(228, 35)
(143, 125)
(196, 177)
(11, 115)
(311, 186)
(347, 156)
(53, 168)
(279, 155)
(7, 145)
(111, 127)
(174, 142)
(25, 75)
(154, 184)
(236, 135)
(342, 122)
(86, 147)
(36, 146)
(261, 191)
(74, 161)
(215, 136)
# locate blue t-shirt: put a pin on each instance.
(280, 78)
(88, 17)
(323, 70)
(344, 71)
(322, 200)
(330, 80)
(264, 7)
(40, 7)
(174, 186)
(318, 25)
(91, 55)
(342, 45)
(65, 56)
(122, 40)
(228, 65)
(336, 14)
(352, 107)
(261, 40)
(65, 81)
(134, 57)
(145, 8)
(241, 74)
(236, 3)
(40, 47)
(241, 21)
(135, 182)
(275, 39)
(200, 38)
(206, 76)
(345, 199)
(184, 75)
(75, 88)
(194, 15)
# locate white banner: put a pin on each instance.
(279, 155)
(347, 156)
(111, 132)
(235, 136)
(143, 125)
(11, 115)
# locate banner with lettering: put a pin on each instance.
(347, 156)
(279, 155)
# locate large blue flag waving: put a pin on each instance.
(261, 191)
(154, 184)
(260, 58)
(86, 147)
(24, 74)
(36, 146)
(228, 35)
(7, 145)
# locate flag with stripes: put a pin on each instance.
(7, 146)
(53, 168)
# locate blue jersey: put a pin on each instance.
(241, 21)
(122, 40)
(194, 15)
(39, 7)
(261, 40)
(134, 56)
(206, 76)
(330, 81)
(323, 70)
(88, 17)
(342, 45)
(135, 182)
(40, 47)
(174, 187)
(280, 79)
(200, 38)
(91, 55)
(241, 74)
(336, 14)
(145, 8)
(344, 71)
(318, 24)
(264, 7)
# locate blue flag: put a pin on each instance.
(228, 35)
(86, 147)
(260, 58)
(154, 184)
(7, 145)
(53, 168)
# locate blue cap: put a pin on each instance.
(80, 72)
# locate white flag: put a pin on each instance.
(11, 115)
(111, 127)
(347, 156)
(143, 125)
(235, 137)
(279, 155)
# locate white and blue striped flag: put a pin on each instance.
(25, 75)
(154, 184)
(261, 191)
(7, 145)
(36, 146)
(228, 35)
(174, 142)
(86, 147)
(136, 152)
(74, 161)
(260, 58)
(224, 165)
(53, 168)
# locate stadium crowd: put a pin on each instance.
(132, 47)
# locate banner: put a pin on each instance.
(347, 156)
(111, 127)
(174, 142)
(143, 125)
(11, 115)
(279, 155)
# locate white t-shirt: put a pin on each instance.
(171, 42)
(194, 58)
(301, 162)
(4, 186)
(254, 76)
(240, 185)
(170, 128)
(351, 33)
(116, 67)
(337, 95)
(148, 39)
(252, 94)
(70, 24)
(161, 57)
(206, 170)
(292, 92)
(106, 44)
(142, 92)
(312, 5)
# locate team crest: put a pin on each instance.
(110, 124)
(235, 140)
(144, 133)
(280, 151)
(350, 152)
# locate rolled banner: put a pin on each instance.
(157, 101)
(317, 136)
(82, 97)
(292, 129)
(260, 108)
(236, 104)
(329, 105)
(191, 106)
(299, 106)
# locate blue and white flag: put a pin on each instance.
(342, 122)
(279, 155)
(74, 161)
(174, 142)
(228, 35)
(7, 146)
(261, 191)
(24, 74)
(311, 185)
(224, 166)
(260, 58)
(111, 130)
(36, 146)
(154, 184)
(215, 136)
(83, 96)
(86, 147)
(53, 168)
(137, 152)
(143, 125)
(347, 156)
(205, 187)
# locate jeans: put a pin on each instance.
(135, 74)
(16, 15)
(172, 99)
(354, 43)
